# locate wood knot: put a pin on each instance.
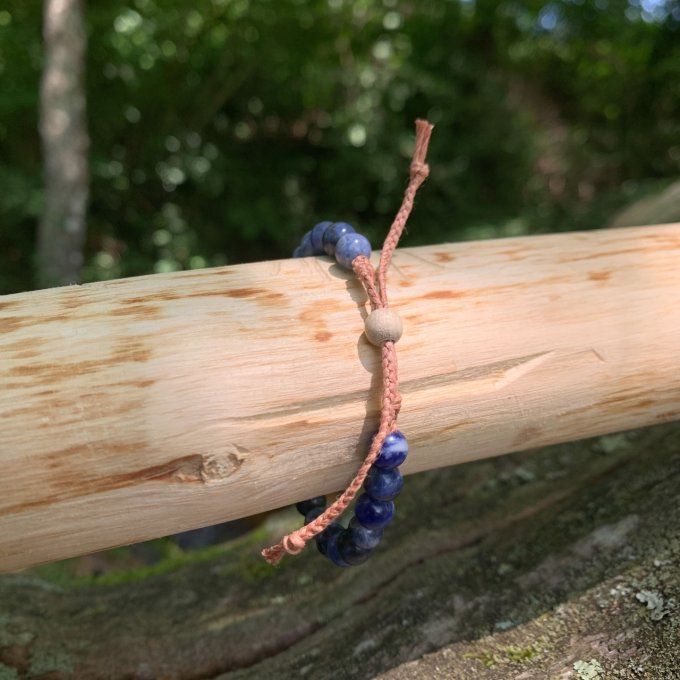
(205, 468)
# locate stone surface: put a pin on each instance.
(316, 236)
(373, 514)
(332, 236)
(383, 485)
(393, 451)
(350, 246)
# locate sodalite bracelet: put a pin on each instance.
(374, 509)
(379, 473)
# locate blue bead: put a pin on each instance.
(297, 252)
(333, 234)
(373, 514)
(318, 230)
(350, 246)
(363, 537)
(323, 538)
(303, 507)
(393, 451)
(333, 549)
(313, 514)
(305, 248)
(383, 485)
(350, 552)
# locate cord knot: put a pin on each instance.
(293, 544)
(420, 170)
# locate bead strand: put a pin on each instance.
(373, 511)
(336, 239)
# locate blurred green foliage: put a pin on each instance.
(221, 130)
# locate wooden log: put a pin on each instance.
(136, 408)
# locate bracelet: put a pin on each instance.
(379, 473)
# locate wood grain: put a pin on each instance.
(136, 408)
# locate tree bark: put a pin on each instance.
(557, 563)
(63, 129)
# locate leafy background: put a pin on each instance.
(222, 130)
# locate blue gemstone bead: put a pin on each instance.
(350, 246)
(303, 507)
(313, 514)
(363, 537)
(318, 230)
(373, 514)
(305, 248)
(350, 552)
(333, 234)
(333, 549)
(325, 536)
(383, 485)
(393, 451)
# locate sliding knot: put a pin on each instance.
(420, 170)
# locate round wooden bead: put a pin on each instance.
(382, 325)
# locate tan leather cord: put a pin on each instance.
(294, 542)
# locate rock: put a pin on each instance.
(660, 208)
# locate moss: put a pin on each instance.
(7, 673)
(256, 571)
(10, 635)
(46, 660)
(503, 655)
(589, 670)
(164, 566)
(488, 658)
(172, 559)
(520, 654)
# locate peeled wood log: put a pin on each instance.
(136, 408)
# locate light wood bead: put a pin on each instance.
(382, 325)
